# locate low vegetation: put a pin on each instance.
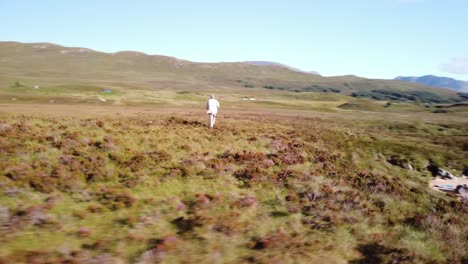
(318, 88)
(105, 158)
(260, 188)
(311, 88)
(415, 96)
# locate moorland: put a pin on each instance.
(105, 161)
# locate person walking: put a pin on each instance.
(212, 107)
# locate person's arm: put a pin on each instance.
(217, 103)
(208, 105)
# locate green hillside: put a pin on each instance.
(50, 64)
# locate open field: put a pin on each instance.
(277, 181)
(107, 158)
(233, 99)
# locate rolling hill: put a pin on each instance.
(51, 64)
(271, 63)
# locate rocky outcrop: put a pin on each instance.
(400, 162)
(462, 190)
(437, 171)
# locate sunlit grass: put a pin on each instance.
(259, 187)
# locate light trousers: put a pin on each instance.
(212, 120)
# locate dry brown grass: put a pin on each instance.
(154, 184)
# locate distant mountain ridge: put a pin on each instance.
(437, 81)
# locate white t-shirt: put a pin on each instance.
(212, 105)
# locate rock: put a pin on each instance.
(445, 174)
(436, 171)
(400, 162)
(462, 190)
(433, 169)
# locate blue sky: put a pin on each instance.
(369, 38)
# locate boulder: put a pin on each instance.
(462, 190)
(400, 162)
(445, 174)
(436, 171)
